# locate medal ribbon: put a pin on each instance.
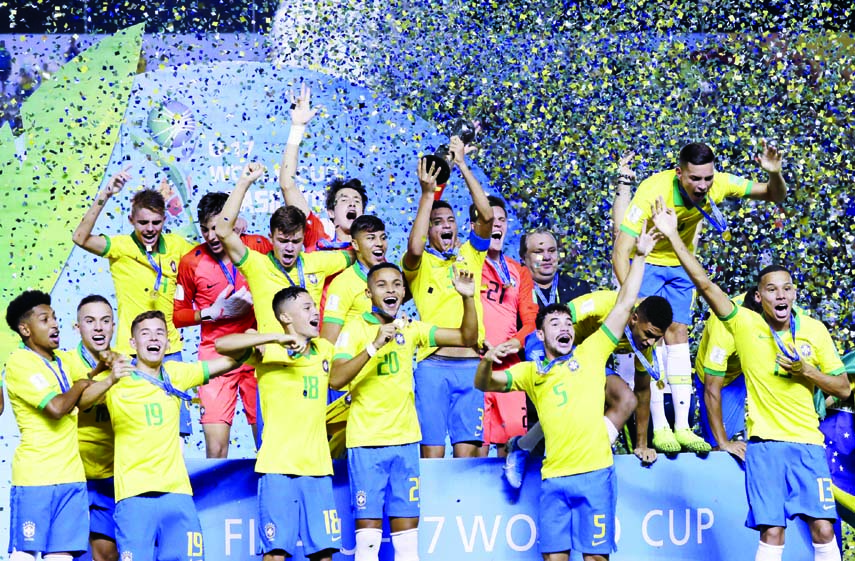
(163, 383)
(230, 275)
(717, 219)
(157, 269)
(553, 292)
(502, 270)
(444, 255)
(541, 369)
(652, 369)
(86, 355)
(60, 376)
(279, 266)
(783, 348)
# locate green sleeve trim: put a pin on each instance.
(244, 258)
(405, 268)
(342, 356)
(347, 258)
(838, 372)
(733, 312)
(246, 355)
(510, 383)
(748, 189)
(716, 373)
(432, 336)
(206, 371)
(107, 246)
(573, 314)
(627, 230)
(47, 399)
(610, 335)
(335, 321)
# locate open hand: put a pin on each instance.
(427, 177)
(664, 218)
(301, 106)
(770, 159)
(464, 282)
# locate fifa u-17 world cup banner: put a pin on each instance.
(688, 508)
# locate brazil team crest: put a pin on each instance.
(270, 530)
(805, 350)
(326, 366)
(312, 278)
(399, 338)
(361, 499)
(28, 528)
(127, 556)
(573, 365)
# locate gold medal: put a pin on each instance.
(797, 367)
(660, 383)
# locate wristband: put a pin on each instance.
(245, 356)
(295, 137)
(205, 315)
(370, 349)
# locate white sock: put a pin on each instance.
(766, 552)
(612, 430)
(368, 544)
(657, 406)
(406, 545)
(826, 551)
(532, 438)
(21, 556)
(57, 557)
(680, 377)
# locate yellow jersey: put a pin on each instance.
(436, 299)
(346, 297)
(666, 185)
(383, 404)
(570, 399)
(145, 418)
(779, 406)
(717, 351)
(48, 452)
(265, 277)
(94, 429)
(293, 392)
(134, 279)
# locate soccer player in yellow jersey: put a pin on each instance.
(48, 499)
(295, 491)
(447, 403)
(347, 296)
(692, 190)
(155, 515)
(143, 265)
(374, 355)
(286, 265)
(578, 493)
(95, 324)
(784, 358)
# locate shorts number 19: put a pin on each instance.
(194, 544)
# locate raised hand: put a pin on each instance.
(301, 106)
(230, 305)
(499, 352)
(770, 159)
(251, 172)
(464, 282)
(646, 240)
(115, 184)
(664, 218)
(427, 177)
(625, 171)
(385, 334)
(121, 367)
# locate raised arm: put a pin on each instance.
(623, 193)
(617, 318)
(621, 255)
(231, 241)
(488, 380)
(484, 225)
(236, 345)
(301, 114)
(467, 334)
(775, 190)
(82, 236)
(666, 222)
(419, 231)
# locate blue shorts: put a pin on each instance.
(384, 475)
(49, 518)
(158, 526)
(102, 505)
(673, 284)
(732, 409)
(185, 424)
(447, 401)
(577, 513)
(784, 480)
(292, 508)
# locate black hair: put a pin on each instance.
(338, 184)
(551, 309)
(750, 301)
(771, 269)
(493, 200)
(150, 314)
(92, 298)
(21, 307)
(696, 154)
(440, 204)
(380, 266)
(288, 220)
(657, 311)
(210, 205)
(366, 223)
(287, 293)
(525, 236)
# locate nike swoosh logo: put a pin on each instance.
(827, 507)
(597, 542)
(335, 539)
(540, 383)
(211, 286)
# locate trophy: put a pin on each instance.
(442, 158)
